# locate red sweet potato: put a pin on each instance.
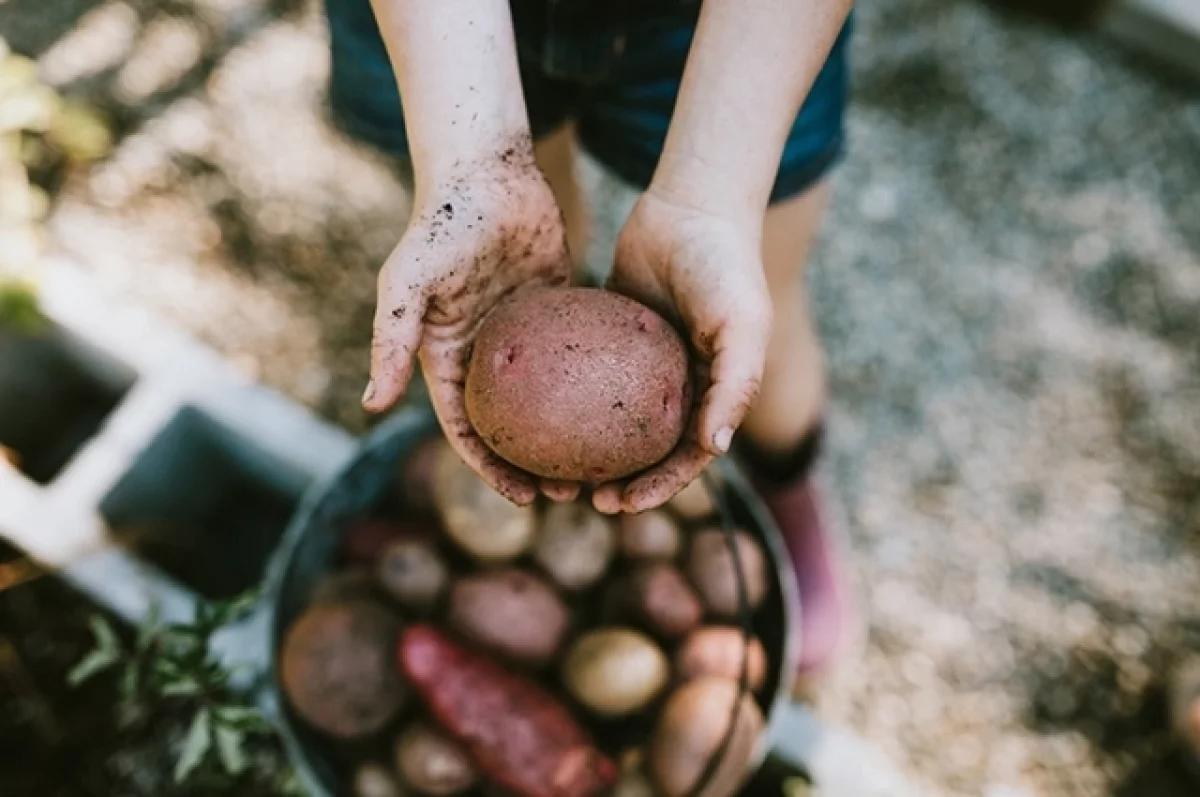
(521, 737)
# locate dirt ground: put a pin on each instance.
(1008, 284)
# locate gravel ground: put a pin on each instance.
(1009, 285)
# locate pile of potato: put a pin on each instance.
(623, 630)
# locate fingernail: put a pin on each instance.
(722, 439)
(369, 393)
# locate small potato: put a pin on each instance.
(634, 783)
(511, 612)
(721, 651)
(574, 545)
(415, 477)
(413, 573)
(690, 731)
(338, 670)
(658, 597)
(615, 671)
(650, 535)
(365, 540)
(353, 583)
(376, 780)
(482, 522)
(433, 763)
(711, 568)
(694, 502)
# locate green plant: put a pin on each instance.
(171, 665)
(38, 129)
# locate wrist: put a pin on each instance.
(462, 142)
(497, 156)
(712, 186)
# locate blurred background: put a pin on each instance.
(1008, 285)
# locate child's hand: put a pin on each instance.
(705, 272)
(478, 234)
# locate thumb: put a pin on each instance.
(735, 375)
(399, 322)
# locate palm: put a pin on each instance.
(705, 274)
(481, 239)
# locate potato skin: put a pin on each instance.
(712, 571)
(721, 651)
(414, 481)
(412, 572)
(364, 541)
(690, 731)
(483, 523)
(574, 544)
(375, 780)
(615, 671)
(511, 612)
(658, 597)
(694, 502)
(353, 583)
(338, 670)
(580, 384)
(432, 763)
(650, 535)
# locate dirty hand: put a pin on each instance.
(478, 234)
(704, 272)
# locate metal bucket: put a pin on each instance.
(311, 544)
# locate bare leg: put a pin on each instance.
(790, 405)
(792, 398)
(556, 157)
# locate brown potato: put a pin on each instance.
(650, 535)
(338, 670)
(433, 763)
(580, 384)
(413, 573)
(353, 583)
(633, 783)
(711, 568)
(690, 731)
(364, 541)
(376, 780)
(415, 479)
(694, 502)
(721, 651)
(615, 671)
(574, 544)
(658, 597)
(481, 521)
(511, 612)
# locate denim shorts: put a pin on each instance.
(614, 67)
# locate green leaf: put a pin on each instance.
(19, 309)
(91, 664)
(106, 638)
(229, 749)
(797, 787)
(207, 617)
(131, 682)
(288, 784)
(167, 669)
(244, 717)
(182, 688)
(149, 630)
(195, 746)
